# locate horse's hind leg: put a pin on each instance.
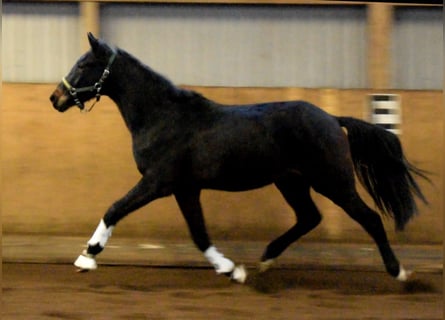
(296, 191)
(338, 185)
(370, 220)
(188, 201)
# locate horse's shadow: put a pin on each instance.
(342, 282)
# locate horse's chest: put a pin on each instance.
(155, 152)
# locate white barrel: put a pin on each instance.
(385, 111)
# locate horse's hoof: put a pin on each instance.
(239, 274)
(265, 265)
(404, 275)
(85, 262)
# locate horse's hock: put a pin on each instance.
(63, 172)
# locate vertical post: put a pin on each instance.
(89, 21)
(379, 29)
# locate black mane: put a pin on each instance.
(160, 84)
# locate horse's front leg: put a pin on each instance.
(145, 191)
(188, 201)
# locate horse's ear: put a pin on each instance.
(100, 49)
(94, 43)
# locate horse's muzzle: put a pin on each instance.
(59, 99)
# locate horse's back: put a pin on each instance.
(314, 142)
(302, 126)
(299, 114)
(311, 141)
(250, 146)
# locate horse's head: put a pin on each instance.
(87, 77)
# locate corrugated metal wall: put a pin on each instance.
(417, 53)
(223, 45)
(244, 45)
(40, 41)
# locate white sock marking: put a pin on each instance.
(266, 265)
(403, 274)
(239, 274)
(101, 234)
(85, 261)
(219, 262)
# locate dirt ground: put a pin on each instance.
(56, 291)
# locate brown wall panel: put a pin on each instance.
(62, 171)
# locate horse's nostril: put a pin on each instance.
(52, 98)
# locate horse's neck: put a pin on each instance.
(138, 92)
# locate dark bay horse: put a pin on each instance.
(183, 143)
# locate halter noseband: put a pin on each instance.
(96, 87)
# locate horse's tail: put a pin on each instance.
(383, 169)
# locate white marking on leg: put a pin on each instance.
(101, 235)
(85, 262)
(404, 275)
(266, 265)
(239, 274)
(219, 262)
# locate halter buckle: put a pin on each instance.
(97, 86)
(105, 74)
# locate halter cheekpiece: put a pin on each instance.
(95, 87)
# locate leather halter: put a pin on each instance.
(95, 87)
